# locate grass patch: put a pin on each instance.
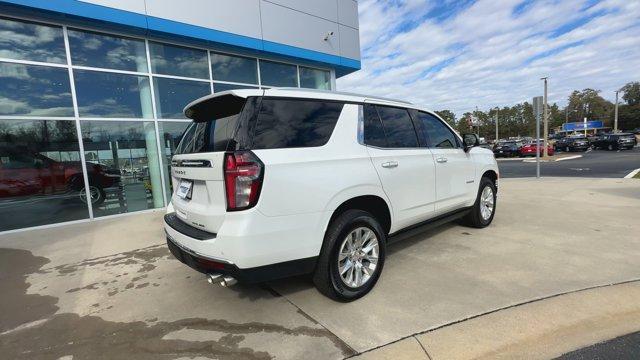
(637, 176)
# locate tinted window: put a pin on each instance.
(33, 90)
(172, 95)
(213, 134)
(373, 131)
(278, 74)
(178, 60)
(118, 95)
(234, 68)
(23, 40)
(438, 134)
(295, 123)
(105, 51)
(397, 127)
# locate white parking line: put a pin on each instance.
(632, 174)
(569, 157)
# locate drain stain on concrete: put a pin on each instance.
(31, 329)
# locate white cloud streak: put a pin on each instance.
(488, 54)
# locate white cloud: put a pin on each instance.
(488, 55)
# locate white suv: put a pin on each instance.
(280, 182)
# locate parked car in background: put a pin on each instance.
(572, 143)
(507, 149)
(615, 141)
(531, 149)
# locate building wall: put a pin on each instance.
(322, 31)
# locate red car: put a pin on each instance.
(530, 149)
(32, 174)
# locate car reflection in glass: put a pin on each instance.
(25, 174)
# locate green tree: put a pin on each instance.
(631, 93)
(448, 116)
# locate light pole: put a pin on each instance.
(496, 124)
(615, 117)
(546, 120)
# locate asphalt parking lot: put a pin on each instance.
(594, 163)
(110, 289)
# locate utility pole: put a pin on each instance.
(496, 125)
(546, 120)
(615, 118)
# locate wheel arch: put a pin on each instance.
(373, 204)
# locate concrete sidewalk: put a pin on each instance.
(110, 287)
(542, 329)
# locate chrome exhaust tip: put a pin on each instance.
(228, 281)
(214, 278)
(219, 279)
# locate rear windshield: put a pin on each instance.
(262, 123)
(289, 123)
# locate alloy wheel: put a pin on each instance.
(358, 257)
(486, 203)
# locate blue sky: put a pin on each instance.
(461, 54)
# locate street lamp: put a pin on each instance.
(546, 120)
(615, 118)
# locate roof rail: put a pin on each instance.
(319, 91)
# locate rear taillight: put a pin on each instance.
(243, 174)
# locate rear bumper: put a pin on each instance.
(259, 274)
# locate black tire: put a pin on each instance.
(610, 147)
(94, 201)
(326, 276)
(474, 217)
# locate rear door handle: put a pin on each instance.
(442, 160)
(390, 164)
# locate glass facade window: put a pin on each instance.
(170, 135)
(24, 40)
(105, 51)
(129, 149)
(234, 68)
(112, 95)
(315, 78)
(178, 61)
(172, 95)
(41, 179)
(220, 87)
(278, 74)
(128, 91)
(34, 90)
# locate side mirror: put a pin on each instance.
(469, 141)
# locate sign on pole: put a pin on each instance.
(537, 110)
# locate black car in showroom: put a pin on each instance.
(507, 149)
(572, 143)
(616, 141)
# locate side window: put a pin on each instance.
(373, 131)
(295, 123)
(398, 127)
(438, 135)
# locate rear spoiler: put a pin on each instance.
(218, 105)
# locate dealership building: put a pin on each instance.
(92, 92)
